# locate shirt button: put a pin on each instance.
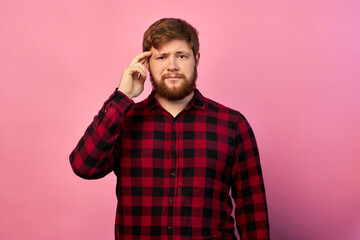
(173, 173)
(170, 228)
(171, 200)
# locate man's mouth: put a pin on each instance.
(173, 77)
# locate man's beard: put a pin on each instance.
(171, 93)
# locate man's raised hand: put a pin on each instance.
(133, 77)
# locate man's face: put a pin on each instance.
(172, 70)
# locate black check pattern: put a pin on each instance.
(174, 174)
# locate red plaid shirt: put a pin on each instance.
(174, 174)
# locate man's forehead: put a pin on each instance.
(175, 45)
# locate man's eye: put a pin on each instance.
(182, 56)
(161, 58)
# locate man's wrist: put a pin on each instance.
(126, 94)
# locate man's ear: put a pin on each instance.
(197, 58)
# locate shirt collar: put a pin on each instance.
(198, 101)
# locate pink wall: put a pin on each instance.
(291, 67)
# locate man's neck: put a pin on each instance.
(174, 107)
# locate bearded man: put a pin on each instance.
(179, 157)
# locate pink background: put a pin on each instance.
(291, 67)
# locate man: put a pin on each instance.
(176, 154)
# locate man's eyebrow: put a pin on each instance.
(160, 54)
(182, 52)
(177, 52)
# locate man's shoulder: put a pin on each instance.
(232, 117)
(140, 105)
(217, 107)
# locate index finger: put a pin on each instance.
(142, 57)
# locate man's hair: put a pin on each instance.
(167, 29)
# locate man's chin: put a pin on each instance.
(174, 87)
(174, 94)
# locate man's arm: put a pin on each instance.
(248, 187)
(94, 155)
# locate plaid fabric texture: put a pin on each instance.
(174, 174)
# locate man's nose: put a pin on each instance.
(173, 66)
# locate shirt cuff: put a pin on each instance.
(118, 100)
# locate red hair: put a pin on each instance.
(167, 29)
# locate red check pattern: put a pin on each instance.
(174, 174)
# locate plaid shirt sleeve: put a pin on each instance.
(248, 187)
(94, 155)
